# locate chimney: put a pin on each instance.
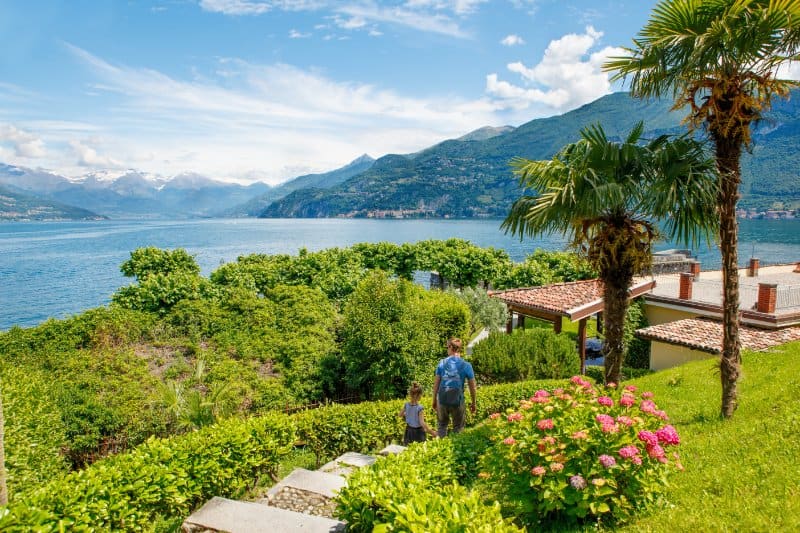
(694, 269)
(767, 296)
(752, 268)
(685, 288)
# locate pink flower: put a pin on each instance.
(647, 394)
(667, 435)
(630, 388)
(494, 416)
(577, 482)
(611, 385)
(509, 441)
(636, 460)
(556, 467)
(540, 399)
(610, 428)
(625, 420)
(514, 417)
(627, 400)
(547, 423)
(558, 391)
(648, 437)
(577, 380)
(628, 452)
(661, 414)
(606, 401)
(656, 452)
(541, 394)
(647, 406)
(580, 435)
(538, 470)
(604, 419)
(607, 461)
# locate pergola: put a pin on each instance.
(577, 300)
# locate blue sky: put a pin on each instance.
(270, 89)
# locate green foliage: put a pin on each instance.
(485, 311)
(568, 455)
(543, 267)
(394, 332)
(146, 262)
(524, 354)
(160, 292)
(460, 262)
(637, 351)
(163, 477)
(416, 491)
(399, 259)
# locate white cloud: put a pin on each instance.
(512, 40)
(235, 7)
(351, 23)
(23, 143)
(259, 120)
(294, 34)
(569, 75)
(87, 156)
(409, 16)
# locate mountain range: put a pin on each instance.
(471, 177)
(462, 178)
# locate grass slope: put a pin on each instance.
(741, 474)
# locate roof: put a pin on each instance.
(575, 300)
(706, 335)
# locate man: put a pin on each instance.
(448, 389)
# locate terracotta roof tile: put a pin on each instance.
(706, 335)
(562, 298)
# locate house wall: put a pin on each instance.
(663, 355)
(661, 315)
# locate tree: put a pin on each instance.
(720, 58)
(606, 197)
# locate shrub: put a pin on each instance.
(485, 311)
(524, 354)
(163, 477)
(579, 453)
(416, 491)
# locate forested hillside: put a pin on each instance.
(472, 178)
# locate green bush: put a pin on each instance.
(163, 477)
(416, 491)
(524, 354)
(485, 311)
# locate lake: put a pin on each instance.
(56, 269)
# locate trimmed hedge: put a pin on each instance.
(525, 354)
(171, 477)
(417, 491)
(162, 477)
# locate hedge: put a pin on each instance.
(171, 477)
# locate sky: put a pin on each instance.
(266, 90)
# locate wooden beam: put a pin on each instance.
(557, 325)
(510, 322)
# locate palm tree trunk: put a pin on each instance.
(3, 487)
(728, 153)
(615, 296)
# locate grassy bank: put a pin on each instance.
(742, 474)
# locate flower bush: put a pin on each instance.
(580, 452)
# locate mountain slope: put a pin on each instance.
(472, 178)
(18, 206)
(325, 180)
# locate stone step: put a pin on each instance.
(312, 481)
(345, 464)
(392, 449)
(222, 514)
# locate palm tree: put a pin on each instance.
(720, 58)
(606, 196)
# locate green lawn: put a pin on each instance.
(742, 474)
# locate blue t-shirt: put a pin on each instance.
(412, 414)
(453, 369)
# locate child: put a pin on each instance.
(416, 428)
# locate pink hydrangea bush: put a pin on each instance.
(580, 452)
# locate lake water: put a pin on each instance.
(56, 269)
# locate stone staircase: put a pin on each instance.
(300, 502)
